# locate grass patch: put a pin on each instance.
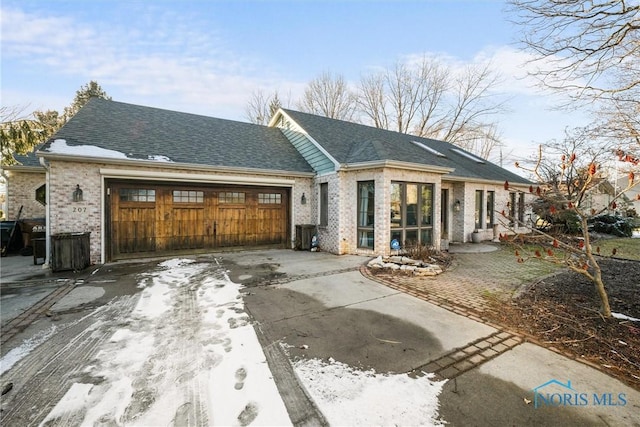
(625, 247)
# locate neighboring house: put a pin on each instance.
(146, 181)
(601, 196)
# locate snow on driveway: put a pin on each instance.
(186, 356)
(185, 353)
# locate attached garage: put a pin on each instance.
(151, 218)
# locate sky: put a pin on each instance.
(154, 373)
(209, 57)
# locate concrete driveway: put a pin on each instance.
(322, 307)
(317, 305)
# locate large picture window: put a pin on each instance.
(412, 213)
(366, 214)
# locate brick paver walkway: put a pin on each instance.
(471, 282)
(467, 288)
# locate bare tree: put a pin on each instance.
(428, 99)
(586, 49)
(576, 151)
(563, 196)
(261, 108)
(329, 95)
(371, 100)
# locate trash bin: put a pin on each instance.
(70, 251)
(304, 235)
(39, 250)
(31, 228)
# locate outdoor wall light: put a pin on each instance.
(456, 206)
(303, 199)
(77, 194)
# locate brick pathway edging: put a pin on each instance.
(20, 323)
(474, 315)
(474, 354)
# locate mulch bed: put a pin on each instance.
(561, 311)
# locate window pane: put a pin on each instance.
(426, 236)
(396, 235)
(183, 196)
(521, 207)
(270, 198)
(231, 197)
(490, 208)
(365, 239)
(366, 204)
(478, 209)
(137, 195)
(426, 208)
(512, 208)
(324, 203)
(412, 204)
(396, 205)
(411, 237)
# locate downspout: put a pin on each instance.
(6, 203)
(47, 214)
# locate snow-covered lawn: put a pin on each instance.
(188, 355)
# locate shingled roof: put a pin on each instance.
(350, 143)
(143, 133)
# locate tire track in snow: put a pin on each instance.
(42, 377)
(181, 352)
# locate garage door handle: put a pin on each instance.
(214, 229)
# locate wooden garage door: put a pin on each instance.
(152, 219)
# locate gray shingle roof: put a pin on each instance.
(29, 159)
(140, 132)
(354, 143)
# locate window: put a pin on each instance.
(512, 209)
(41, 194)
(412, 213)
(478, 218)
(490, 212)
(231, 197)
(269, 198)
(137, 195)
(521, 207)
(181, 196)
(366, 214)
(324, 204)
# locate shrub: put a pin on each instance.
(611, 224)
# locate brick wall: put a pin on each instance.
(86, 215)
(21, 191)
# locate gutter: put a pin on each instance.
(47, 208)
(397, 165)
(171, 165)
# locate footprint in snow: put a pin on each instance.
(241, 375)
(248, 414)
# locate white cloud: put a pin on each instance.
(166, 61)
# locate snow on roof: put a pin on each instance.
(60, 146)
